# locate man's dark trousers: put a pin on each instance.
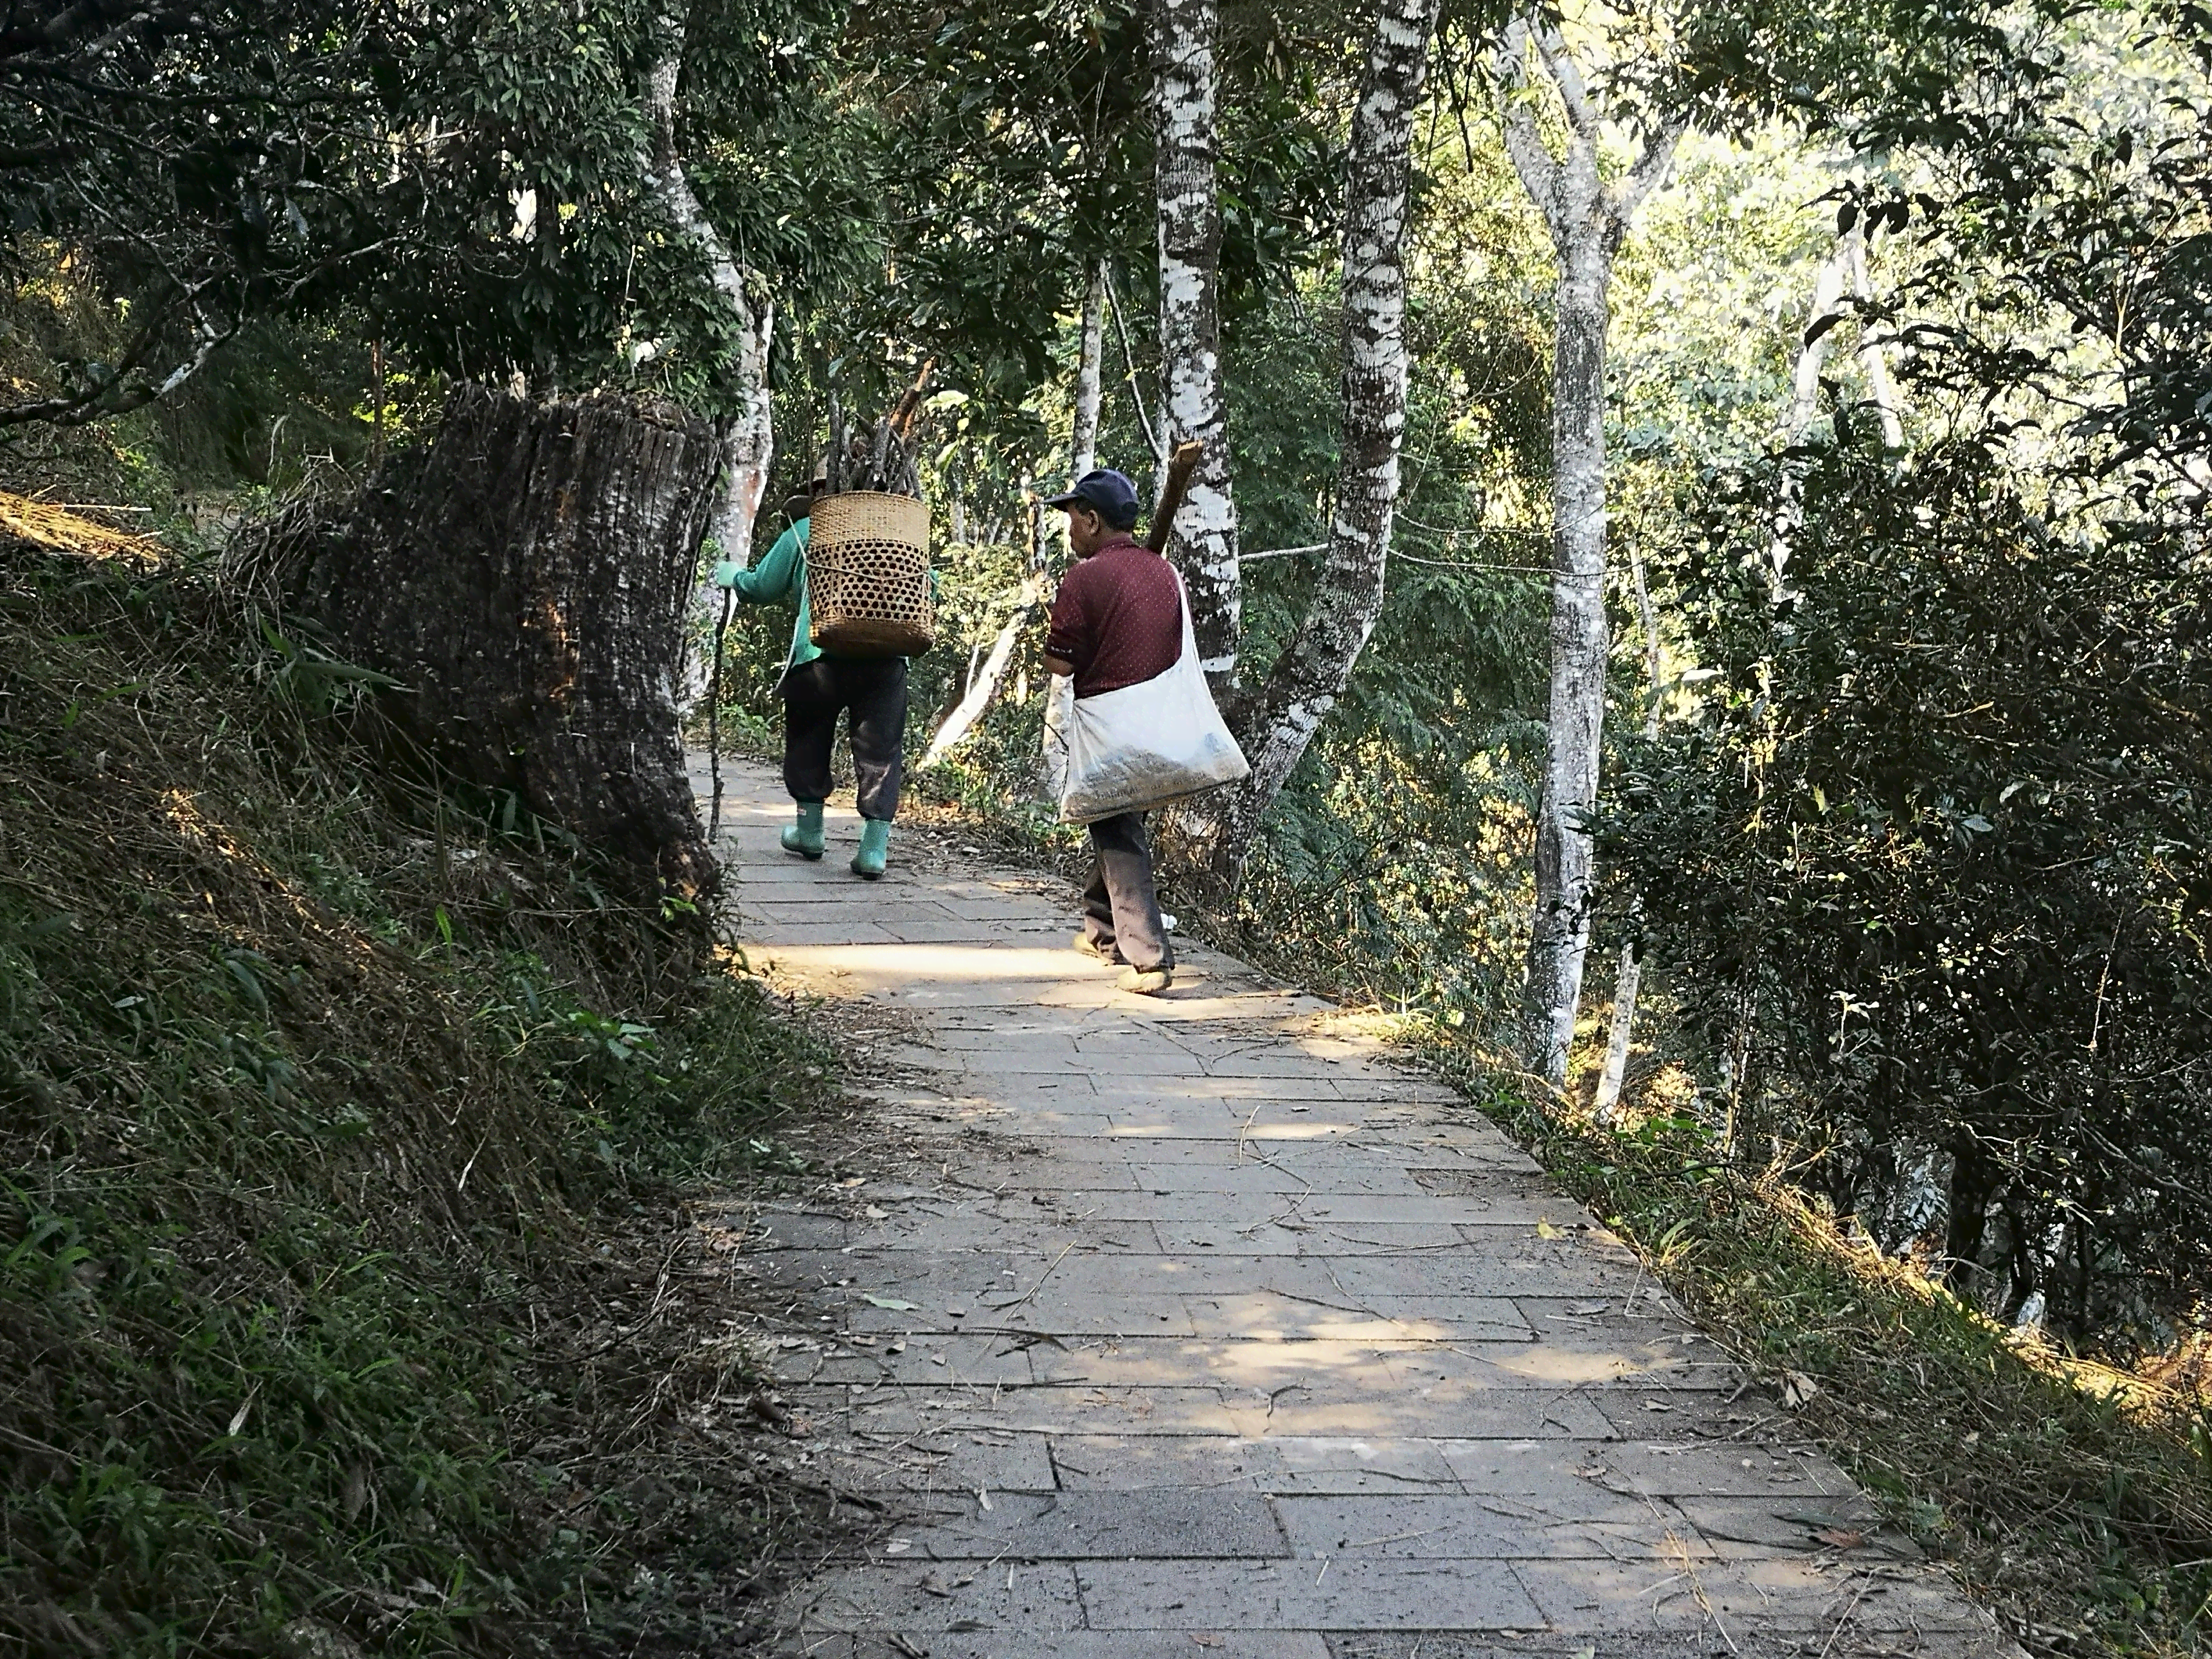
(1122, 907)
(814, 695)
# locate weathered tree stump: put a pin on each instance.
(525, 577)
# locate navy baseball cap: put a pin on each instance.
(1107, 492)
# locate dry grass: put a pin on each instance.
(62, 530)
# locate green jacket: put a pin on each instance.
(782, 573)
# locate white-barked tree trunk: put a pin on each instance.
(1089, 367)
(747, 426)
(1216, 831)
(1874, 361)
(1588, 218)
(1204, 547)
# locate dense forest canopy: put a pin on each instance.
(1714, 490)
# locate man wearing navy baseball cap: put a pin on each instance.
(1117, 621)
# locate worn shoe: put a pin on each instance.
(1146, 982)
(875, 848)
(1090, 947)
(805, 837)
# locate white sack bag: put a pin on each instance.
(1147, 744)
(1059, 715)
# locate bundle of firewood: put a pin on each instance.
(885, 457)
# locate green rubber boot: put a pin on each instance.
(805, 837)
(875, 847)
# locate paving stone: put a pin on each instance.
(1529, 1414)
(1846, 1524)
(1118, 1091)
(923, 1362)
(1301, 1238)
(1306, 1595)
(783, 1231)
(1525, 1272)
(893, 1409)
(1095, 1644)
(955, 1460)
(1093, 1462)
(1173, 1524)
(1332, 1369)
(1784, 1475)
(1426, 1527)
(900, 1593)
(1050, 1059)
(1644, 1644)
(1040, 1234)
(1258, 1173)
(1771, 1594)
(1264, 1316)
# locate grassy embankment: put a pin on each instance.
(2074, 1499)
(346, 1289)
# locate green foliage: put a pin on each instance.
(1926, 861)
(1934, 855)
(465, 180)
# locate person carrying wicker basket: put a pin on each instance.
(818, 686)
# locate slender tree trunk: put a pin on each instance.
(1629, 980)
(1566, 867)
(1217, 831)
(1084, 446)
(748, 429)
(1136, 389)
(525, 577)
(1205, 546)
(1805, 379)
(748, 445)
(1588, 220)
(1872, 362)
(1804, 409)
(983, 684)
(1083, 455)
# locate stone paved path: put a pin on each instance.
(1198, 1330)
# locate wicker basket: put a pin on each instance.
(867, 575)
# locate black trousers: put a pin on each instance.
(814, 695)
(1120, 907)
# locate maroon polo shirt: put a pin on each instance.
(1118, 618)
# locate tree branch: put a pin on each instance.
(99, 400)
(1524, 141)
(1628, 191)
(1567, 75)
(57, 33)
(1129, 361)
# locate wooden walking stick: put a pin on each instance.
(1181, 465)
(714, 721)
